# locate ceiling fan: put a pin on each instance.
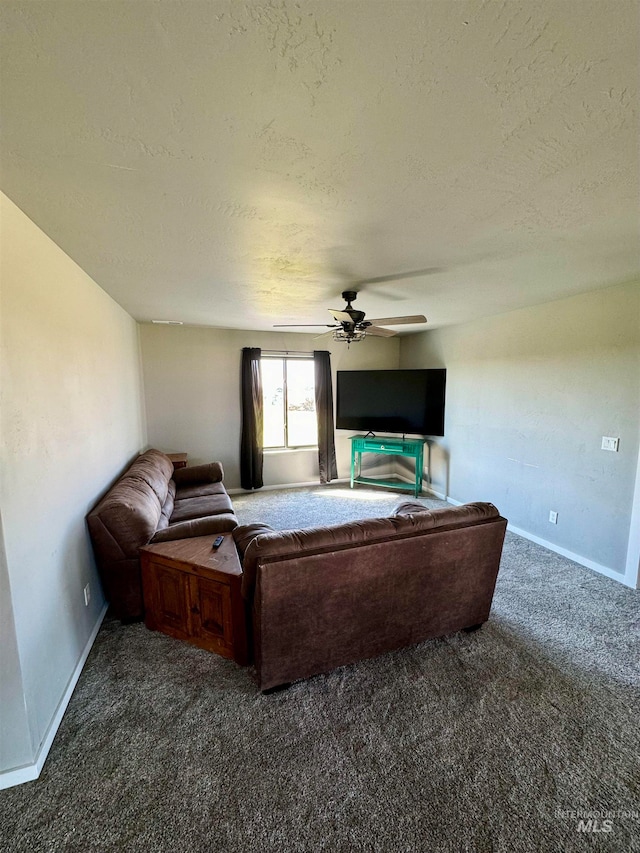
(350, 324)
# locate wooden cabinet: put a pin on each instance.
(179, 460)
(192, 592)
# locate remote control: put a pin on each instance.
(217, 542)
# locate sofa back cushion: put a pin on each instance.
(416, 518)
(128, 515)
(155, 469)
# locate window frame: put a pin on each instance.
(285, 358)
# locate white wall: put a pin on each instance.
(529, 396)
(15, 741)
(72, 418)
(192, 393)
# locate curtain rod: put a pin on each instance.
(275, 352)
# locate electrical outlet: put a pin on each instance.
(610, 443)
(553, 516)
(87, 595)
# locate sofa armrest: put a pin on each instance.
(244, 535)
(222, 523)
(210, 473)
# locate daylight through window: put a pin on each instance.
(288, 389)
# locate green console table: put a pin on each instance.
(411, 447)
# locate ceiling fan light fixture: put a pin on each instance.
(349, 337)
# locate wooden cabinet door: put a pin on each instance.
(211, 612)
(169, 610)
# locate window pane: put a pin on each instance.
(301, 413)
(273, 401)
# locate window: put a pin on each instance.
(288, 390)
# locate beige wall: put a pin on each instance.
(192, 393)
(529, 396)
(71, 419)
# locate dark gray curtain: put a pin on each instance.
(251, 441)
(324, 412)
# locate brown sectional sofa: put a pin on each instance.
(316, 598)
(323, 597)
(151, 502)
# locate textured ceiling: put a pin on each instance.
(239, 164)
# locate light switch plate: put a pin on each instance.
(610, 443)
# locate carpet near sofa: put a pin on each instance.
(485, 742)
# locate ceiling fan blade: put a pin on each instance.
(380, 333)
(324, 334)
(398, 276)
(399, 321)
(340, 316)
(301, 325)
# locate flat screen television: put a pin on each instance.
(397, 401)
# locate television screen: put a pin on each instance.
(396, 401)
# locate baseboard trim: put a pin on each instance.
(435, 494)
(338, 480)
(30, 772)
(426, 489)
(273, 488)
(564, 552)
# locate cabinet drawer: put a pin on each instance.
(383, 447)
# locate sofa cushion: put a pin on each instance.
(356, 533)
(309, 540)
(185, 509)
(167, 507)
(196, 491)
(155, 469)
(212, 472)
(222, 523)
(124, 520)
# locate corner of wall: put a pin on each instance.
(141, 387)
(29, 771)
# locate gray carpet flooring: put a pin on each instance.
(502, 740)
